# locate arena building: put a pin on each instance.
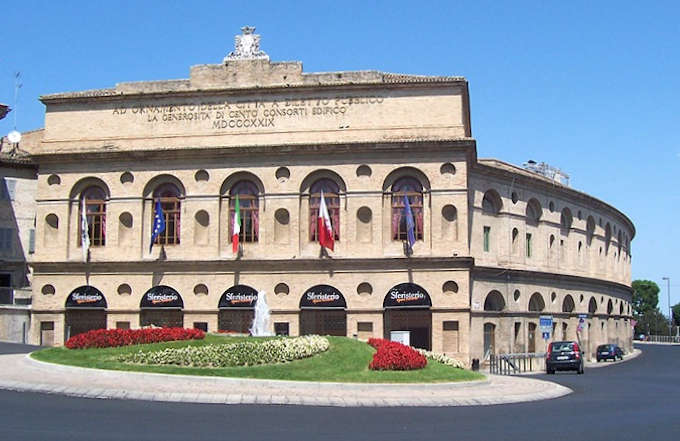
(496, 246)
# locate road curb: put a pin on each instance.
(103, 384)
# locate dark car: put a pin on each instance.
(608, 352)
(564, 356)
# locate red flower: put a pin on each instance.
(395, 356)
(107, 338)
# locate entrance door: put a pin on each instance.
(418, 321)
(236, 320)
(79, 321)
(489, 339)
(532, 337)
(46, 333)
(323, 322)
(162, 318)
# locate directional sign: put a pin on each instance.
(546, 323)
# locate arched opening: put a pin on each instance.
(85, 310)
(536, 303)
(323, 311)
(411, 189)
(163, 307)
(531, 338)
(592, 305)
(489, 340)
(236, 309)
(533, 212)
(491, 203)
(568, 304)
(610, 307)
(566, 220)
(590, 230)
(93, 201)
(407, 310)
(169, 196)
(331, 196)
(246, 192)
(494, 301)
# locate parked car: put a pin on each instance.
(608, 352)
(564, 356)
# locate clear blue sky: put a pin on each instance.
(590, 87)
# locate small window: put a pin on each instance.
(364, 326)
(528, 244)
(450, 325)
(487, 238)
(31, 241)
(122, 325)
(203, 326)
(281, 328)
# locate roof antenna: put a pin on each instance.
(14, 136)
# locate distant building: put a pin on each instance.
(18, 186)
(496, 246)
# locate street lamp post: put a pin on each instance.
(670, 311)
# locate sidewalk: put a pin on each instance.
(22, 373)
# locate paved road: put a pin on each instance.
(635, 400)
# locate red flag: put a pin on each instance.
(324, 226)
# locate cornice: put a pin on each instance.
(514, 275)
(339, 148)
(254, 266)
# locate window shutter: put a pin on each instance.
(31, 241)
(11, 187)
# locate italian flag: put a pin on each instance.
(324, 226)
(236, 230)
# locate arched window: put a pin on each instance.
(607, 238)
(248, 208)
(491, 203)
(590, 230)
(95, 208)
(533, 212)
(566, 219)
(169, 197)
(592, 305)
(411, 188)
(494, 301)
(536, 302)
(568, 304)
(331, 195)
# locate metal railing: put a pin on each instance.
(511, 364)
(662, 338)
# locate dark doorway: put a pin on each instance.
(323, 322)
(162, 318)
(83, 320)
(235, 320)
(418, 321)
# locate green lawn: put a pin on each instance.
(346, 361)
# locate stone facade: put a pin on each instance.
(367, 135)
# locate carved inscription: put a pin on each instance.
(247, 114)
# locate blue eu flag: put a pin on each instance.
(158, 223)
(410, 225)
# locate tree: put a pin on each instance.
(652, 323)
(645, 296)
(676, 314)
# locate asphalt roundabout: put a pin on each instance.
(25, 374)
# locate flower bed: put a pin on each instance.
(107, 338)
(442, 358)
(246, 353)
(393, 356)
